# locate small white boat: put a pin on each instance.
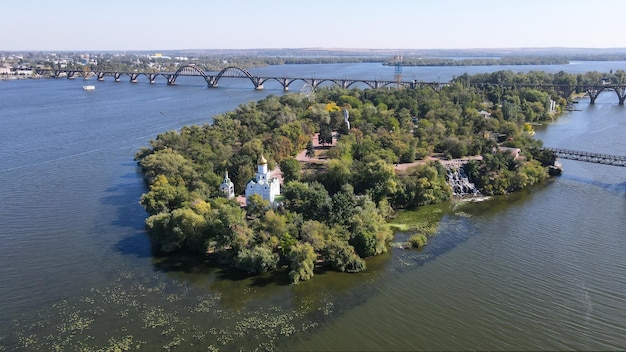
(89, 87)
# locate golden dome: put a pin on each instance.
(262, 160)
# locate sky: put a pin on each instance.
(364, 24)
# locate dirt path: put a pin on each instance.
(320, 156)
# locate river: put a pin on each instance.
(544, 269)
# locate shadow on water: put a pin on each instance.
(129, 215)
(619, 188)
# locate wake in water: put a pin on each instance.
(619, 188)
(51, 160)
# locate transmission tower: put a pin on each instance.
(398, 71)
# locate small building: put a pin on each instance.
(263, 184)
(227, 187)
(484, 114)
(513, 151)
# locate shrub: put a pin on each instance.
(418, 240)
(302, 258)
(259, 259)
(341, 256)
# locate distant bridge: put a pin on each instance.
(566, 90)
(234, 72)
(598, 158)
(212, 80)
(570, 154)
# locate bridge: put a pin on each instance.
(566, 90)
(579, 155)
(212, 80)
(598, 158)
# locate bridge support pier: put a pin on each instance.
(593, 94)
(621, 95)
(259, 87)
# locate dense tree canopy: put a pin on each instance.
(336, 215)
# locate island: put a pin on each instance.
(300, 183)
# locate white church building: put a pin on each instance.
(227, 187)
(263, 184)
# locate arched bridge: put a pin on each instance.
(598, 158)
(566, 90)
(212, 80)
(236, 72)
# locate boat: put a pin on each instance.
(86, 76)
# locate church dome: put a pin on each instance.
(262, 160)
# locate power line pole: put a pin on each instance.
(398, 71)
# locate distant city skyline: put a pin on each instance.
(250, 24)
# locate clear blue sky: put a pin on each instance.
(376, 24)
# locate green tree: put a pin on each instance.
(256, 206)
(290, 168)
(302, 262)
(163, 196)
(342, 257)
(258, 259)
(326, 134)
(337, 174)
(369, 230)
(310, 150)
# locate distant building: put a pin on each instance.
(263, 184)
(227, 187)
(513, 151)
(484, 114)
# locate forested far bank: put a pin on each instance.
(334, 213)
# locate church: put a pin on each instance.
(227, 187)
(263, 184)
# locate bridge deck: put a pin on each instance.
(598, 158)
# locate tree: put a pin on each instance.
(369, 230)
(241, 171)
(310, 150)
(162, 238)
(256, 206)
(377, 178)
(341, 256)
(337, 174)
(258, 259)
(326, 134)
(290, 168)
(302, 262)
(310, 200)
(163, 196)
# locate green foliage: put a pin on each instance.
(290, 168)
(258, 259)
(310, 151)
(326, 134)
(163, 196)
(418, 240)
(339, 214)
(310, 200)
(423, 185)
(302, 258)
(342, 257)
(377, 178)
(369, 232)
